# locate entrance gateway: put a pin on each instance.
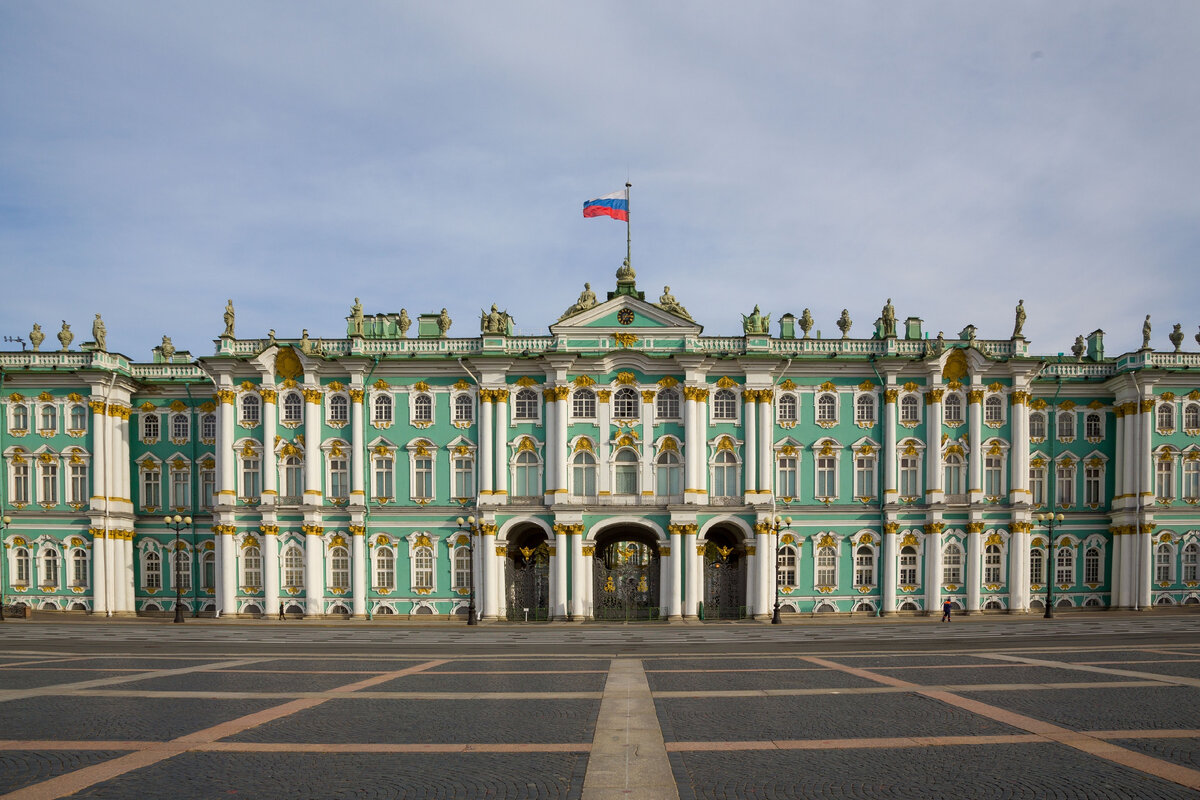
(625, 576)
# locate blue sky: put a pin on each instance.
(157, 158)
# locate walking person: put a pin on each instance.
(946, 606)
(281, 616)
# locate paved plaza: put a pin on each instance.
(996, 708)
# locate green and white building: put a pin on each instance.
(622, 466)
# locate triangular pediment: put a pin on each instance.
(625, 313)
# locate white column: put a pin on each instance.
(690, 444)
(766, 570)
(753, 567)
(1145, 583)
(99, 457)
(674, 589)
(1118, 464)
(766, 429)
(1145, 445)
(888, 450)
(580, 574)
(112, 571)
(226, 460)
(1018, 454)
(128, 580)
(314, 571)
(750, 462)
(99, 571)
(500, 478)
(887, 567)
(552, 408)
(935, 492)
(227, 591)
(1130, 462)
(559, 454)
(603, 451)
(974, 560)
(270, 464)
(270, 553)
(692, 577)
(313, 455)
(933, 569)
(486, 449)
(357, 454)
(975, 451)
(1018, 567)
(647, 419)
(487, 555)
(359, 571)
(559, 590)
(122, 460)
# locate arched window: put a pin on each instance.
(826, 571)
(339, 569)
(864, 566)
(50, 419)
(339, 477)
(21, 573)
(293, 408)
(152, 571)
(583, 474)
(1166, 418)
(1037, 566)
(525, 404)
(462, 568)
(422, 568)
(1037, 425)
(525, 475)
(668, 478)
(208, 570)
(79, 568)
(179, 427)
(724, 405)
(385, 568)
(150, 426)
(583, 404)
(666, 405)
(864, 410)
(20, 418)
(251, 409)
(625, 473)
(827, 408)
(625, 403)
(383, 408)
(787, 408)
(908, 565)
(293, 567)
(1162, 563)
(787, 565)
(1091, 565)
(1064, 572)
(464, 410)
(725, 482)
(1191, 561)
(910, 409)
(252, 575)
(78, 418)
(423, 408)
(208, 426)
(993, 410)
(952, 560)
(991, 563)
(339, 408)
(954, 475)
(1065, 425)
(1191, 416)
(1091, 426)
(293, 476)
(954, 409)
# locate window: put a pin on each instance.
(724, 405)
(181, 485)
(1064, 571)
(991, 563)
(826, 476)
(78, 418)
(20, 472)
(864, 410)
(525, 406)
(252, 576)
(180, 429)
(150, 426)
(181, 570)
(208, 570)
(77, 489)
(422, 478)
(954, 409)
(1092, 481)
(385, 568)
(666, 405)
(385, 483)
(423, 408)
(1165, 418)
(1191, 478)
(864, 566)
(787, 566)
(152, 571)
(786, 485)
(583, 404)
(1164, 477)
(293, 476)
(79, 568)
(50, 419)
(1065, 485)
(910, 409)
(993, 410)
(525, 475)
(954, 475)
(462, 568)
(1162, 563)
(464, 410)
(21, 557)
(787, 408)
(339, 569)
(864, 476)
(626, 473)
(151, 489)
(422, 568)
(993, 476)
(293, 567)
(1037, 426)
(908, 565)
(1191, 416)
(1191, 561)
(1065, 425)
(625, 403)
(826, 572)
(251, 409)
(339, 478)
(1091, 427)
(208, 488)
(827, 408)
(463, 467)
(251, 477)
(669, 474)
(1037, 566)
(49, 485)
(383, 408)
(1091, 565)
(20, 418)
(583, 474)
(952, 560)
(208, 426)
(293, 408)
(725, 482)
(1037, 485)
(908, 477)
(339, 409)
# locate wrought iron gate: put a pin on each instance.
(527, 577)
(625, 579)
(723, 597)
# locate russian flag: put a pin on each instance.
(615, 205)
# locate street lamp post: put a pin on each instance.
(1051, 558)
(177, 523)
(777, 523)
(5, 521)
(473, 529)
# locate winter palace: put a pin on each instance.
(625, 466)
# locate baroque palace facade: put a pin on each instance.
(623, 467)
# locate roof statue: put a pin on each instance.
(844, 322)
(496, 321)
(756, 324)
(356, 318)
(1176, 336)
(667, 302)
(806, 322)
(37, 337)
(65, 337)
(99, 334)
(404, 323)
(1146, 333)
(166, 348)
(889, 320)
(1020, 320)
(443, 323)
(229, 317)
(587, 299)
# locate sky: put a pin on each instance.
(159, 158)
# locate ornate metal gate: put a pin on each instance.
(625, 582)
(527, 577)
(723, 597)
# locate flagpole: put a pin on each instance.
(628, 237)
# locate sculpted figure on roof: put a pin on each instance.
(587, 299)
(668, 303)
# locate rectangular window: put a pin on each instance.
(1065, 487)
(182, 571)
(908, 477)
(908, 566)
(49, 484)
(208, 488)
(1037, 485)
(826, 573)
(339, 478)
(423, 568)
(787, 477)
(991, 564)
(864, 567)
(1191, 479)
(20, 483)
(252, 568)
(151, 489)
(384, 480)
(422, 478)
(1065, 421)
(864, 474)
(79, 484)
(993, 476)
(1091, 566)
(1164, 479)
(952, 566)
(251, 478)
(1091, 485)
(181, 485)
(826, 476)
(464, 480)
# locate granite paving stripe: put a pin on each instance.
(503, 682)
(854, 744)
(1115, 708)
(1084, 656)
(523, 665)
(868, 661)
(1180, 669)
(20, 679)
(15, 694)
(723, 662)
(134, 718)
(148, 663)
(30, 765)
(1178, 750)
(244, 682)
(726, 681)
(347, 663)
(1128, 673)
(1014, 674)
(333, 694)
(964, 687)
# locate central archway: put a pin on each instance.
(625, 575)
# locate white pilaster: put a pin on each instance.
(692, 577)
(888, 454)
(270, 464)
(750, 462)
(360, 568)
(558, 455)
(647, 464)
(227, 569)
(486, 449)
(559, 562)
(933, 568)
(580, 575)
(974, 559)
(225, 457)
(887, 568)
(313, 455)
(934, 479)
(270, 553)
(491, 563)
(314, 572)
(675, 588)
(766, 428)
(603, 451)
(357, 456)
(975, 451)
(552, 409)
